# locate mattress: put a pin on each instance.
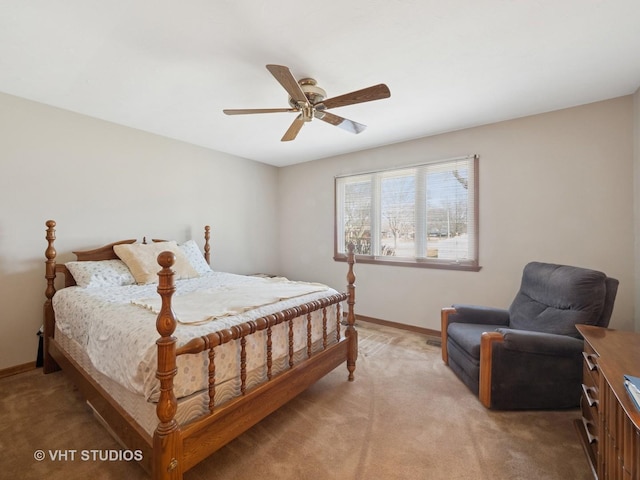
(140, 409)
(118, 335)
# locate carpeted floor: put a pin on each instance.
(406, 417)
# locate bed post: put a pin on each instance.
(49, 364)
(207, 247)
(351, 333)
(167, 444)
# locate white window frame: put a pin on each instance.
(468, 260)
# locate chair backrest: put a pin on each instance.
(554, 298)
(612, 290)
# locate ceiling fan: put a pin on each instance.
(309, 101)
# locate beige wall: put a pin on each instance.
(555, 187)
(103, 182)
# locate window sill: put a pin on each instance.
(396, 262)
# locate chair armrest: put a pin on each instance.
(469, 314)
(521, 344)
(509, 356)
(479, 314)
(541, 343)
(488, 341)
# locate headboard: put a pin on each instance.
(101, 253)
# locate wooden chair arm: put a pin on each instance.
(487, 341)
(444, 324)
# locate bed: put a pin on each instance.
(177, 367)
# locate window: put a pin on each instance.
(422, 215)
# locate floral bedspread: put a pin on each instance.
(119, 336)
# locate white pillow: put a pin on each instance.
(195, 257)
(142, 260)
(103, 273)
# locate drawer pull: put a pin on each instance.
(587, 425)
(587, 358)
(590, 400)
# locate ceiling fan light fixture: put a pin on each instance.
(309, 100)
(311, 90)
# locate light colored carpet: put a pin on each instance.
(406, 416)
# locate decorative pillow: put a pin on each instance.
(195, 257)
(104, 273)
(142, 260)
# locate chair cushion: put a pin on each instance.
(467, 336)
(554, 298)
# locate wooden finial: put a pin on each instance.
(49, 364)
(351, 332)
(207, 247)
(166, 325)
(166, 436)
(50, 253)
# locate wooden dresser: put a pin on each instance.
(610, 426)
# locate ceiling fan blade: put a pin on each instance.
(244, 111)
(284, 76)
(377, 92)
(293, 130)
(343, 123)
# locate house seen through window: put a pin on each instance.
(420, 215)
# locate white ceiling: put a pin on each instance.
(170, 67)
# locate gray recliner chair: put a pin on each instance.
(529, 356)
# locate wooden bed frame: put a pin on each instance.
(175, 448)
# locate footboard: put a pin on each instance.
(240, 332)
(178, 448)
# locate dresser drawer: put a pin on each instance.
(590, 381)
(591, 397)
(590, 426)
(590, 366)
